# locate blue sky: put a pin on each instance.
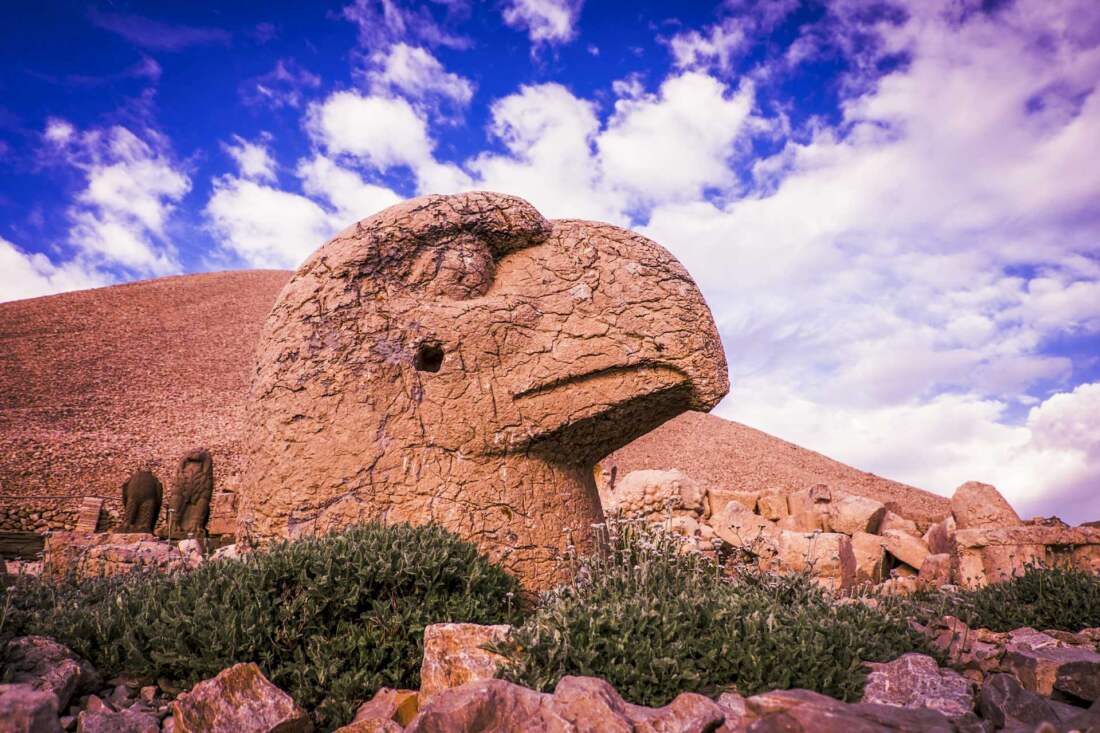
(890, 206)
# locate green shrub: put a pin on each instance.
(328, 620)
(1042, 598)
(655, 622)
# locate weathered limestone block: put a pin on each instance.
(773, 506)
(238, 700)
(24, 709)
(745, 530)
(1071, 670)
(994, 554)
(462, 360)
(718, 498)
(47, 665)
(657, 493)
(891, 521)
(976, 504)
(916, 681)
(853, 514)
(1008, 705)
(828, 555)
(870, 557)
(397, 707)
(810, 521)
(453, 656)
(909, 549)
(223, 513)
(935, 572)
(103, 554)
(814, 499)
(88, 516)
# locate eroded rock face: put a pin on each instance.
(46, 665)
(975, 504)
(453, 656)
(24, 709)
(916, 681)
(462, 360)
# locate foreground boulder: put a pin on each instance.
(486, 348)
(25, 709)
(1071, 671)
(238, 700)
(577, 704)
(453, 656)
(130, 720)
(916, 681)
(976, 504)
(46, 665)
(1005, 703)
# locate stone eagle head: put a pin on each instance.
(462, 360)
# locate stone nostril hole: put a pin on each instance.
(660, 348)
(429, 357)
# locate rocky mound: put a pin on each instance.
(723, 454)
(97, 380)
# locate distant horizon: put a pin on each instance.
(889, 205)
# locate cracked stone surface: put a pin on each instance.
(462, 360)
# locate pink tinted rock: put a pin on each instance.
(453, 656)
(916, 681)
(975, 504)
(25, 709)
(238, 700)
(47, 665)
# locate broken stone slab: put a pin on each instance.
(852, 514)
(25, 709)
(935, 572)
(916, 681)
(773, 506)
(1069, 670)
(743, 529)
(453, 656)
(892, 521)
(870, 557)
(908, 548)
(975, 504)
(399, 706)
(1006, 703)
(803, 522)
(130, 720)
(814, 499)
(577, 703)
(653, 493)
(717, 499)
(239, 699)
(827, 555)
(47, 665)
(223, 513)
(105, 554)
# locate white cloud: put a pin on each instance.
(119, 218)
(546, 21)
(345, 190)
(418, 74)
(549, 135)
(252, 158)
(284, 86)
(266, 226)
(29, 275)
(674, 144)
(716, 46)
(382, 133)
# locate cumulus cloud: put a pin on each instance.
(252, 158)
(29, 275)
(266, 226)
(678, 142)
(416, 73)
(937, 239)
(545, 21)
(119, 219)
